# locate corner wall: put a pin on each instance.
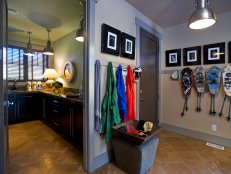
(171, 93)
(120, 15)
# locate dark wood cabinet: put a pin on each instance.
(24, 107)
(61, 114)
(65, 117)
(53, 113)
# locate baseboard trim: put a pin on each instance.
(198, 135)
(102, 159)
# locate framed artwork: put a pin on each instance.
(229, 45)
(127, 46)
(192, 56)
(110, 40)
(173, 57)
(214, 53)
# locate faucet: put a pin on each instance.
(15, 85)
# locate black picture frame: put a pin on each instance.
(173, 57)
(127, 46)
(192, 56)
(214, 53)
(229, 51)
(110, 40)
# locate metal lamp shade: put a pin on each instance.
(29, 51)
(48, 50)
(202, 18)
(79, 35)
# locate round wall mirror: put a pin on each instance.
(69, 71)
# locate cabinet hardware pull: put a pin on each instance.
(56, 124)
(55, 101)
(55, 111)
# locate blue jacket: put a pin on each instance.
(122, 104)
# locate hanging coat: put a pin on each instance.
(130, 95)
(98, 121)
(122, 104)
(110, 111)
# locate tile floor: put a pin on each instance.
(36, 149)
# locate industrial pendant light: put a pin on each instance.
(29, 51)
(203, 16)
(48, 50)
(79, 34)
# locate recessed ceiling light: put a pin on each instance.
(12, 11)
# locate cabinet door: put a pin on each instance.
(26, 106)
(78, 125)
(67, 116)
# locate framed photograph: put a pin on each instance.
(173, 58)
(110, 40)
(192, 56)
(214, 53)
(127, 46)
(229, 45)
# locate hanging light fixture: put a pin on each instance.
(79, 34)
(29, 51)
(203, 16)
(48, 50)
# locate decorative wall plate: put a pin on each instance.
(69, 71)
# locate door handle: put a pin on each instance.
(141, 99)
(8, 103)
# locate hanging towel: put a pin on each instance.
(98, 121)
(122, 104)
(131, 115)
(110, 111)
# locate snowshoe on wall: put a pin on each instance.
(214, 75)
(199, 78)
(227, 80)
(186, 79)
(227, 88)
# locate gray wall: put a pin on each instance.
(181, 37)
(67, 49)
(121, 15)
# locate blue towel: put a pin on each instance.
(122, 104)
(98, 119)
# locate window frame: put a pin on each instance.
(26, 65)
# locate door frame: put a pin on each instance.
(3, 93)
(154, 31)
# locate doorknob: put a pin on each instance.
(8, 103)
(141, 99)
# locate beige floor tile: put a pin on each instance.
(36, 149)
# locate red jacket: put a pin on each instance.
(130, 95)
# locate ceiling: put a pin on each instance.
(168, 13)
(37, 15)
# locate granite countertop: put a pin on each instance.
(49, 93)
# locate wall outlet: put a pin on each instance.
(214, 127)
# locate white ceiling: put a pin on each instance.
(168, 13)
(61, 16)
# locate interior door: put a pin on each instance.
(3, 89)
(149, 62)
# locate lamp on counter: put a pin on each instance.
(51, 74)
(202, 17)
(48, 50)
(79, 34)
(29, 51)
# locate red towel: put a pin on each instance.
(130, 95)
